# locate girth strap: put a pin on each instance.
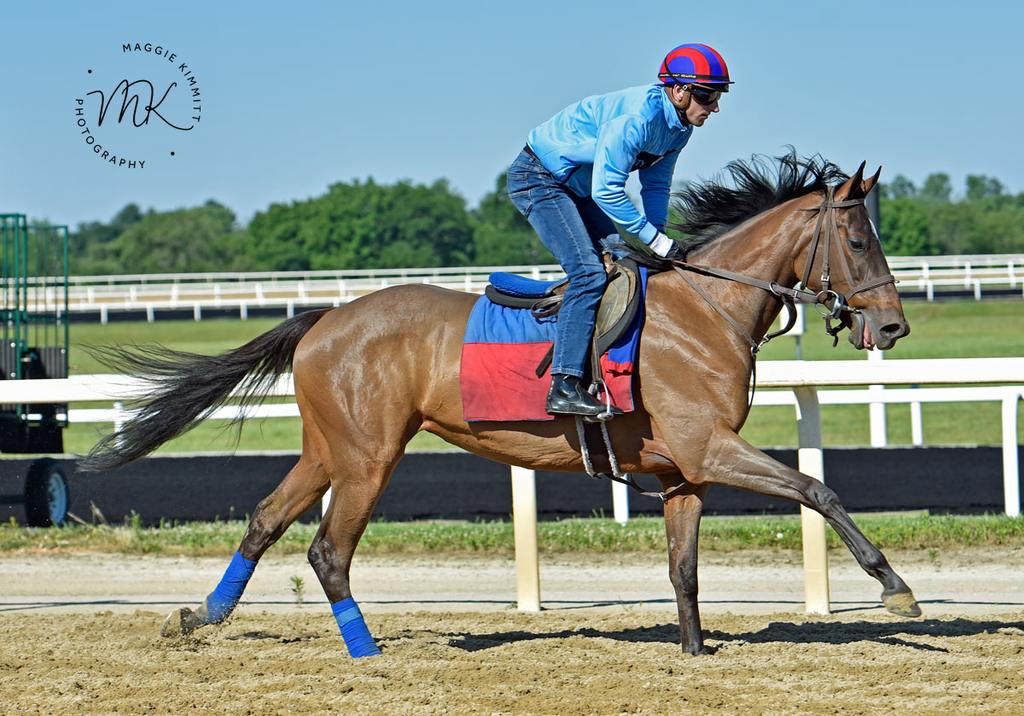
(617, 475)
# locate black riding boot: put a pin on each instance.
(568, 397)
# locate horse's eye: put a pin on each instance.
(857, 243)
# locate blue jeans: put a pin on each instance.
(572, 228)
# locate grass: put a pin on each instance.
(957, 329)
(495, 539)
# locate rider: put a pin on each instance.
(569, 182)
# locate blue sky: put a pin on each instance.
(296, 96)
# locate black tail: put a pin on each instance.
(187, 387)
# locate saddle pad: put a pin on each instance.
(521, 286)
(502, 348)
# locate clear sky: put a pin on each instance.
(298, 95)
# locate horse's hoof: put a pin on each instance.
(180, 622)
(700, 650)
(901, 604)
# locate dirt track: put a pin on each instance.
(275, 656)
(565, 663)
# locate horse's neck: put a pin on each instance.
(763, 247)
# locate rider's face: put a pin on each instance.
(697, 113)
(689, 108)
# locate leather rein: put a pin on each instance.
(833, 303)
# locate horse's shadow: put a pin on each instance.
(816, 632)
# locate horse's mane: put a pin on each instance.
(710, 208)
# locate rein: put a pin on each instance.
(834, 303)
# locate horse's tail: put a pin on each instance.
(187, 387)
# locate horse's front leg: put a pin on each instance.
(682, 524)
(731, 460)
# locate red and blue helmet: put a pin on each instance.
(695, 63)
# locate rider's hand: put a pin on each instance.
(663, 245)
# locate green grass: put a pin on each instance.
(495, 539)
(959, 329)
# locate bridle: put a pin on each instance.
(831, 303)
(834, 303)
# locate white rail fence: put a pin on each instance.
(799, 379)
(242, 293)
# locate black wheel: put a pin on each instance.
(46, 494)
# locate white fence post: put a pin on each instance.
(119, 417)
(620, 502)
(811, 462)
(1011, 467)
(524, 524)
(877, 410)
(916, 425)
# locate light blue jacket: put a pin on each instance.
(594, 144)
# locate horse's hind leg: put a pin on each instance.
(682, 524)
(733, 461)
(301, 488)
(353, 497)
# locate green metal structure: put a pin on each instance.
(33, 298)
(34, 343)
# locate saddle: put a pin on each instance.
(615, 313)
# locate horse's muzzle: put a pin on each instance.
(865, 332)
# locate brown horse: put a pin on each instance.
(371, 374)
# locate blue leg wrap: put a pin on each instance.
(353, 629)
(225, 596)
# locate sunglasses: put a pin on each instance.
(704, 95)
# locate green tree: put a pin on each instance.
(86, 244)
(366, 225)
(183, 240)
(899, 188)
(905, 229)
(980, 187)
(937, 188)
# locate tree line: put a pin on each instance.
(364, 224)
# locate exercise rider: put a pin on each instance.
(569, 182)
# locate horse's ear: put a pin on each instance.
(868, 184)
(851, 188)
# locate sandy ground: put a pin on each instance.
(974, 582)
(81, 635)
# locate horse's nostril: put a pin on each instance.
(893, 329)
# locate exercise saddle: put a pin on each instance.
(615, 314)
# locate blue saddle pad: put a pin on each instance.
(515, 285)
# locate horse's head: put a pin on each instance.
(844, 258)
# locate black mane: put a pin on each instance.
(711, 208)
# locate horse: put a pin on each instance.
(372, 373)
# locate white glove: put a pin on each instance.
(662, 245)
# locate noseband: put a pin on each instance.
(831, 303)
